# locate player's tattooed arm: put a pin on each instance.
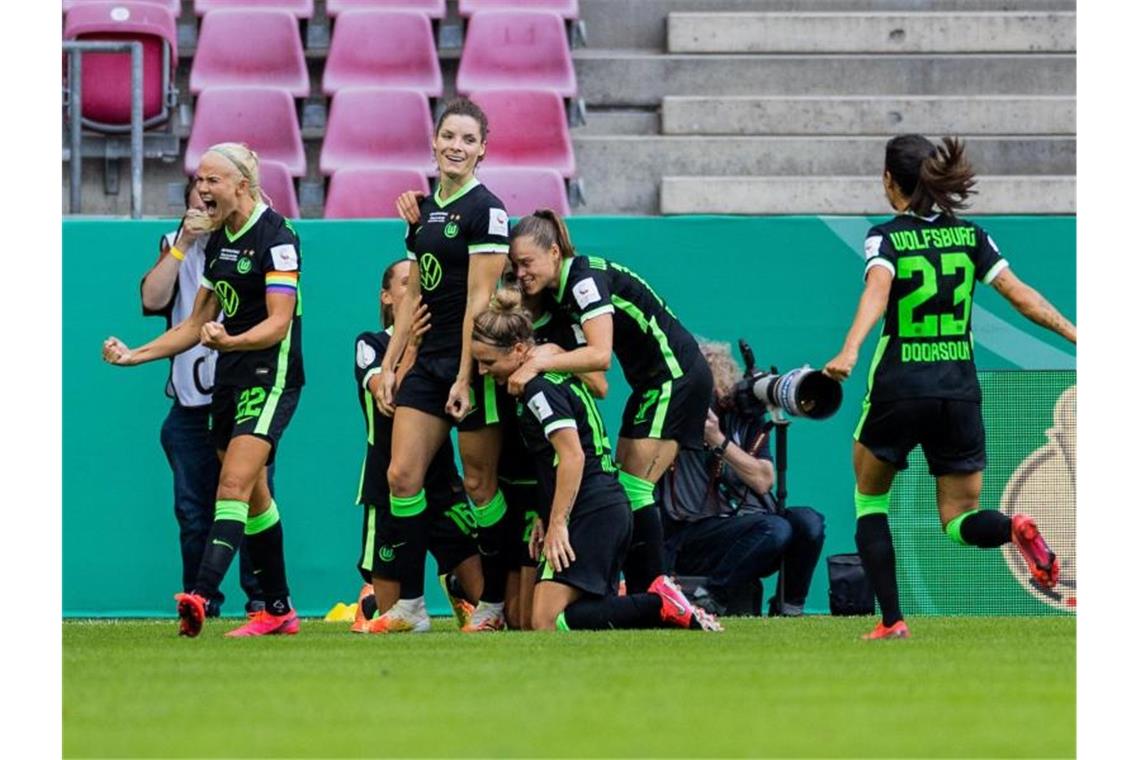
(1033, 305)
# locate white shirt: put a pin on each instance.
(191, 380)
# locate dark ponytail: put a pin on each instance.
(547, 229)
(931, 175)
(387, 312)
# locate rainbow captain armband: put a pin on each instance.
(281, 282)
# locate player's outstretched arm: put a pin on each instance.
(1032, 305)
(184, 335)
(872, 304)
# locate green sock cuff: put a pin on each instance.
(871, 505)
(408, 506)
(638, 490)
(954, 527)
(490, 513)
(560, 622)
(231, 509)
(264, 521)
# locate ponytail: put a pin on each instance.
(547, 229)
(931, 176)
(505, 322)
(387, 312)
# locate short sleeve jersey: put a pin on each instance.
(242, 269)
(554, 401)
(648, 339)
(926, 349)
(470, 222)
(441, 482)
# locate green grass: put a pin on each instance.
(962, 687)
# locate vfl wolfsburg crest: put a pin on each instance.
(430, 271)
(244, 265)
(451, 230)
(227, 297)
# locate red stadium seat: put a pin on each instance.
(370, 193)
(528, 129)
(435, 9)
(567, 9)
(516, 49)
(174, 6)
(524, 190)
(297, 8)
(255, 47)
(107, 76)
(383, 48)
(279, 189)
(262, 117)
(373, 126)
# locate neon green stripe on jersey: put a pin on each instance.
(662, 410)
(650, 326)
(258, 210)
(266, 416)
(471, 185)
(879, 351)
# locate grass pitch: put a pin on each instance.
(962, 687)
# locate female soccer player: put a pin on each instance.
(253, 264)
(586, 512)
(394, 548)
(619, 312)
(922, 387)
(458, 250)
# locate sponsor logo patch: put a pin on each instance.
(365, 354)
(586, 292)
(540, 407)
(498, 222)
(284, 257)
(871, 246)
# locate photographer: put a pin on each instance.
(720, 517)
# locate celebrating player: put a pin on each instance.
(922, 387)
(253, 262)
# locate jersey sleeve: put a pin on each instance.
(281, 262)
(878, 252)
(410, 240)
(369, 356)
(988, 261)
(550, 405)
(587, 291)
(488, 228)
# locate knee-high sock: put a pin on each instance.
(222, 544)
(603, 613)
(407, 550)
(873, 539)
(492, 541)
(984, 528)
(645, 559)
(267, 552)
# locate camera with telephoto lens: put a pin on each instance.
(803, 392)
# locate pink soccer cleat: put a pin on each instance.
(267, 624)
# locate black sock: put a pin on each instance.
(493, 539)
(876, 550)
(645, 559)
(267, 553)
(604, 613)
(986, 528)
(455, 588)
(222, 544)
(368, 607)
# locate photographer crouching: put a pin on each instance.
(719, 515)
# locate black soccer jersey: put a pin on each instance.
(472, 221)
(554, 401)
(926, 349)
(442, 479)
(649, 340)
(263, 257)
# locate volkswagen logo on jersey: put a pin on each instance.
(431, 272)
(227, 297)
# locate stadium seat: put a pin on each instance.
(435, 9)
(516, 49)
(373, 126)
(174, 6)
(528, 129)
(262, 117)
(107, 76)
(278, 186)
(370, 193)
(301, 9)
(524, 190)
(567, 9)
(255, 47)
(383, 48)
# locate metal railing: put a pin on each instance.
(75, 51)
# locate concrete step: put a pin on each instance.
(620, 121)
(993, 115)
(872, 32)
(641, 24)
(853, 195)
(633, 78)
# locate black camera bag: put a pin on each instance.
(849, 591)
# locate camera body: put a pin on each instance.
(801, 392)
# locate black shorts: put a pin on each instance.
(950, 432)
(600, 540)
(450, 539)
(522, 511)
(427, 384)
(674, 410)
(263, 412)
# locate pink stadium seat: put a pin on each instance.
(174, 6)
(435, 9)
(370, 193)
(297, 8)
(527, 128)
(256, 47)
(567, 9)
(373, 126)
(516, 49)
(262, 117)
(278, 186)
(107, 76)
(524, 190)
(383, 48)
